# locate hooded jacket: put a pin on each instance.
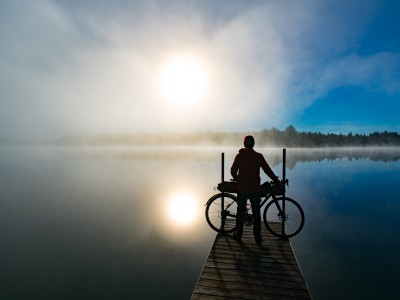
(246, 170)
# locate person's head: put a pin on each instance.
(249, 142)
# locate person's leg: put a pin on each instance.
(255, 207)
(241, 202)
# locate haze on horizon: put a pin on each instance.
(79, 67)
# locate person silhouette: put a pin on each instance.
(246, 171)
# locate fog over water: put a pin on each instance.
(126, 222)
(294, 155)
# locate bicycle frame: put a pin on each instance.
(266, 199)
(274, 212)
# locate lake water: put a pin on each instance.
(128, 223)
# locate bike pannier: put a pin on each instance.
(278, 189)
(227, 187)
(275, 188)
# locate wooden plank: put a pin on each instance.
(251, 271)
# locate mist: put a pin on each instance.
(79, 68)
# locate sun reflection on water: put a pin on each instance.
(182, 208)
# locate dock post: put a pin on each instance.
(222, 166)
(222, 180)
(283, 200)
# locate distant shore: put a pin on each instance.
(273, 137)
(288, 138)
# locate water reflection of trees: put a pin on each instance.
(329, 154)
(273, 155)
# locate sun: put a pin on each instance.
(183, 80)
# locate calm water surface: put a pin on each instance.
(119, 223)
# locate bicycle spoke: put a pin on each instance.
(215, 216)
(293, 217)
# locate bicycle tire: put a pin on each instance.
(294, 217)
(214, 216)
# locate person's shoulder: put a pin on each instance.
(256, 153)
(239, 154)
(242, 151)
(259, 155)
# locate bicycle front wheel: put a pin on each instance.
(293, 217)
(221, 212)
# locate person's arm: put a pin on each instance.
(235, 168)
(267, 169)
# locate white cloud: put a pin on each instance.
(372, 71)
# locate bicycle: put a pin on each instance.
(283, 216)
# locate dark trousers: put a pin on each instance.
(255, 207)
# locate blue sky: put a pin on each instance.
(368, 105)
(71, 67)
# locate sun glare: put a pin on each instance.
(182, 209)
(183, 80)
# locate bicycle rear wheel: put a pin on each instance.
(293, 217)
(216, 215)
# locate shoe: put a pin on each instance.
(258, 239)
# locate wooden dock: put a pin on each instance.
(251, 271)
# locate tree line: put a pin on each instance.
(290, 137)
